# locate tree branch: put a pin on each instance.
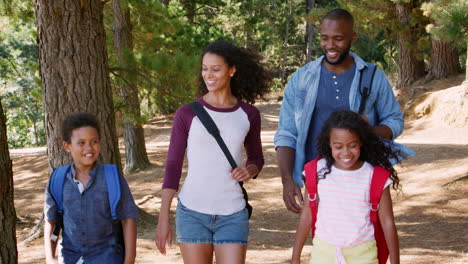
(143, 76)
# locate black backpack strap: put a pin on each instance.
(365, 84)
(210, 125)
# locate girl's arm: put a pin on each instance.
(49, 246)
(163, 229)
(130, 237)
(303, 229)
(388, 225)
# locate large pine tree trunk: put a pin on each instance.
(444, 59)
(74, 72)
(410, 66)
(8, 251)
(134, 138)
(309, 31)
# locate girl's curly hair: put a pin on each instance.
(373, 150)
(252, 79)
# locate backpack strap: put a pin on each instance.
(365, 84)
(113, 188)
(56, 190)
(311, 185)
(210, 125)
(379, 178)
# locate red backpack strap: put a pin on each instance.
(311, 185)
(379, 178)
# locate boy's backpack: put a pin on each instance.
(56, 182)
(210, 125)
(379, 178)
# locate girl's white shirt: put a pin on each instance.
(343, 216)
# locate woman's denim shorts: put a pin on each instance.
(194, 227)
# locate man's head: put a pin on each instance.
(336, 35)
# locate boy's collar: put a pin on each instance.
(91, 174)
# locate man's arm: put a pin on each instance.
(290, 189)
(390, 123)
(383, 131)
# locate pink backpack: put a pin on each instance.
(379, 178)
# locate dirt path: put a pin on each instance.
(431, 219)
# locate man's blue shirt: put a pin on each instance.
(87, 218)
(299, 102)
(333, 91)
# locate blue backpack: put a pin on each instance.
(57, 180)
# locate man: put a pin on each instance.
(321, 87)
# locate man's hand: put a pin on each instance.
(291, 191)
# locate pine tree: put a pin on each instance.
(8, 251)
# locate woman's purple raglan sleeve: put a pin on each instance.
(177, 146)
(253, 142)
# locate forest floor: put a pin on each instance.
(431, 212)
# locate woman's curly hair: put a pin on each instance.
(252, 79)
(373, 150)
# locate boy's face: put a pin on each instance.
(84, 146)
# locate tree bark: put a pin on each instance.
(410, 66)
(8, 250)
(74, 72)
(444, 59)
(309, 31)
(134, 138)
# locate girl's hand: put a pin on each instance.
(295, 261)
(163, 235)
(243, 173)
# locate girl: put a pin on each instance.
(211, 213)
(343, 229)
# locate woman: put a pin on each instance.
(211, 214)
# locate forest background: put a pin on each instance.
(147, 59)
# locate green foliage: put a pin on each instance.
(168, 40)
(166, 52)
(450, 20)
(20, 87)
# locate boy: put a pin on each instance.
(88, 232)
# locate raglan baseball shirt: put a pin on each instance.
(209, 187)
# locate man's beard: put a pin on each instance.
(341, 58)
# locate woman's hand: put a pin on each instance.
(243, 173)
(163, 236)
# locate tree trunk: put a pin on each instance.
(74, 72)
(8, 251)
(444, 59)
(134, 138)
(309, 31)
(410, 66)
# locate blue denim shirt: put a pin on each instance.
(87, 219)
(299, 100)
